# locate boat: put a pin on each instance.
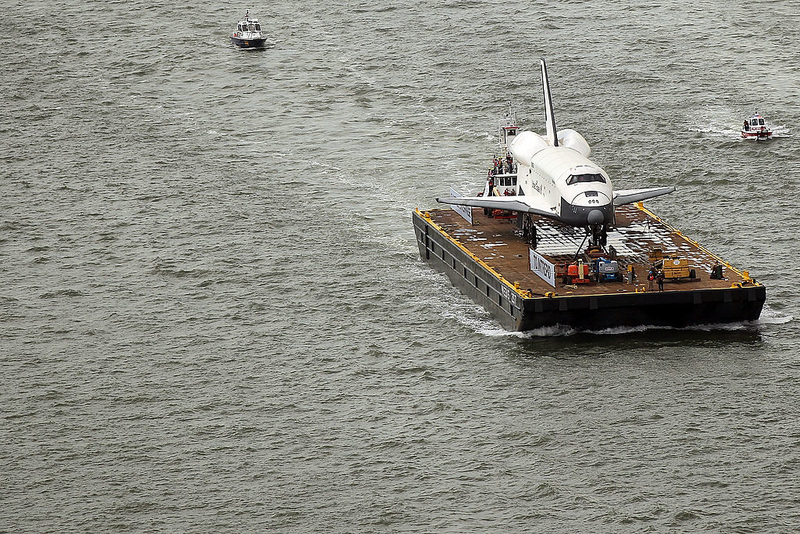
(248, 33)
(531, 271)
(755, 127)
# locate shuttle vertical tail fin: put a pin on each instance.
(550, 118)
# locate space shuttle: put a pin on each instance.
(556, 179)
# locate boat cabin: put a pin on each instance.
(507, 134)
(756, 122)
(249, 25)
(505, 180)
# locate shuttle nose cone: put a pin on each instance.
(595, 217)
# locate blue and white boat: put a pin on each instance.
(248, 33)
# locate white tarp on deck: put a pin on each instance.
(563, 241)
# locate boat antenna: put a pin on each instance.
(510, 114)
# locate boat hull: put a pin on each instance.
(758, 136)
(248, 43)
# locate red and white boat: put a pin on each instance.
(755, 127)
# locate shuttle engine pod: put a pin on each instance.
(527, 144)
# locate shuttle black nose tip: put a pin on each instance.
(595, 217)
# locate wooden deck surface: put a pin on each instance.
(498, 244)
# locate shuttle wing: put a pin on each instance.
(626, 196)
(514, 203)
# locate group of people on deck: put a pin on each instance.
(503, 166)
(656, 275)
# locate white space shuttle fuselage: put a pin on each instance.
(569, 185)
(556, 178)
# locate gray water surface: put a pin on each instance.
(213, 317)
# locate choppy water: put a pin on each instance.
(212, 313)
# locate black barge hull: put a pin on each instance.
(518, 309)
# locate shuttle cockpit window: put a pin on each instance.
(585, 178)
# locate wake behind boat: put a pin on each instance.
(248, 33)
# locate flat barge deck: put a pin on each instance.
(490, 262)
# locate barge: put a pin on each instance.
(491, 261)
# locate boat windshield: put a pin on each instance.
(584, 178)
(251, 27)
(258, 27)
